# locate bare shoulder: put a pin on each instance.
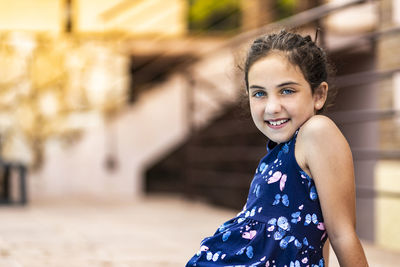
(320, 128)
(319, 138)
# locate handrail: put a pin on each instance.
(367, 192)
(367, 37)
(296, 20)
(364, 77)
(363, 115)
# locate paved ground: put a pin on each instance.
(156, 231)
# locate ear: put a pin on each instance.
(320, 95)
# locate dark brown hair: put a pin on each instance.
(300, 51)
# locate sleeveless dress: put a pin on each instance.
(281, 223)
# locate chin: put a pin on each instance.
(279, 139)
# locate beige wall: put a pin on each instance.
(387, 173)
(31, 15)
(142, 134)
(387, 205)
(138, 17)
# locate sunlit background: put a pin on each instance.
(130, 115)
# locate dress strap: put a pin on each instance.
(296, 133)
(271, 144)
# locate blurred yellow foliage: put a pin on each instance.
(47, 82)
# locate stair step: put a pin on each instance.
(225, 154)
(211, 178)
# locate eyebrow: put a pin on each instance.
(256, 87)
(288, 83)
(279, 85)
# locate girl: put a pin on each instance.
(303, 189)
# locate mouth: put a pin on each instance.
(276, 123)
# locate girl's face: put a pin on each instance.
(280, 98)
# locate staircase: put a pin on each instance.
(215, 165)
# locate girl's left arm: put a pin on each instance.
(329, 160)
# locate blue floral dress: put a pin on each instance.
(280, 225)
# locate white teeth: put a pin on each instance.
(276, 123)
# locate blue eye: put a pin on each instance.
(287, 91)
(259, 94)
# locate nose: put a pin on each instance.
(273, 106)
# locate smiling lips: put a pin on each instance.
(276, 124)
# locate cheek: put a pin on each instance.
(255, 114)
(300, 106)
(256, 109)
(304, 111)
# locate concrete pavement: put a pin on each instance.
(152, 231)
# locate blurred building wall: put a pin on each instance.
(138, 17)
(39, 15)
(140, 134)
(387, 173)
(98, 30)
(378, 174)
